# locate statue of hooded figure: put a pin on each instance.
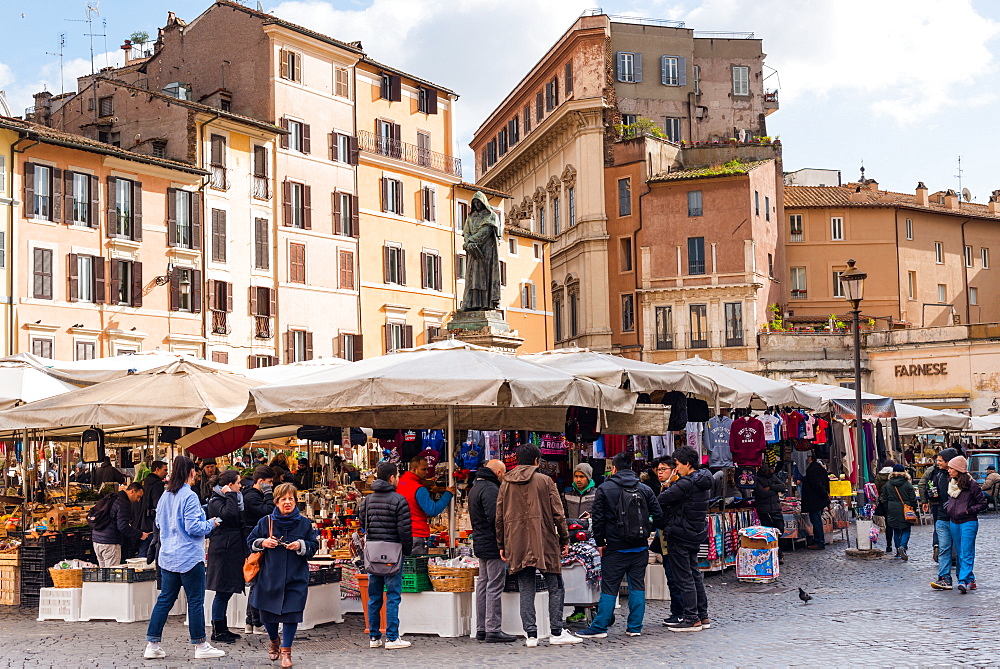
(481, 231)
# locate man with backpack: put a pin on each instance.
(111, 522)
(625, 512)
(152, 490)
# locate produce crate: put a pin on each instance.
(46, 542)
(10, 585)
(416, 583)
(59, 604)
(96, 574)
(129, 575)
(415, 564)
(510, 585)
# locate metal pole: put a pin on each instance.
(858, 432)
(451, 475)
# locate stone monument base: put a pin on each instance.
(483, 328)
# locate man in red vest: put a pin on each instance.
(422, 506)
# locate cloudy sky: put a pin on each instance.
(907, 86)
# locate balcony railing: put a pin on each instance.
(218, 179)
(261, 187)
(410, 153)
(800, 294)
(262, 327)
(220, 322)
(770, 101)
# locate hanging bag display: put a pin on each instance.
(251, 566)
(909, 513)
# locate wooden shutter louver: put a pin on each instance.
(136, 284)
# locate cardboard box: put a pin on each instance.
(756, 544)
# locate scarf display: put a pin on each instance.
(585, 553)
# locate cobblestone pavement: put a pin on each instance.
(864, 612)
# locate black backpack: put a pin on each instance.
(633, 516)
(99, 516)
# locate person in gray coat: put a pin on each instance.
(492, 570)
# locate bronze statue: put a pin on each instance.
(481, 231)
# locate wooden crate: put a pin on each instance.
(10, 585)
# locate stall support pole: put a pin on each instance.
(451, 475)
(858, 431)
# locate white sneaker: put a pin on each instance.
(633, 633)
(154, 653)
(398, 643)
(259, 630)
(206, 651)
(248, 629)
(531, 642)
(375, 643)
(564, 639)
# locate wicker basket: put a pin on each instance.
(66, 578)
(453, 579)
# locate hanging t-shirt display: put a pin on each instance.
(746, 441)
(821, 428)
(491, 445)
(772, 428)
(469, 455)
(678, 404)
(412, 444)
(717, 442)
(662, 446)
(695, 436)
(810, 427)
(554, 444)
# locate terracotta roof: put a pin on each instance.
(394, 70)
(48, 135)
(800, 197)
(487, 191)
(710, 172)
(271, 19)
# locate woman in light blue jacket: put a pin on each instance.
(183, 528)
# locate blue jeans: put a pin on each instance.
(616, 565)
(220, 604)
(193, 582)
(942, 528)
(393, 586)
(816, 520)
(144, 547)
(963, 536)
(902, 537)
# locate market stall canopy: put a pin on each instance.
(21, 383)
(635, 375)
(913, 417)
(745, 389)
(415, 387)
(98, 370)
(181, 394)
(989, 423)
(295, 370)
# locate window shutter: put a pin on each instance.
(437, 272)
(399, 197)
(175, 290)
(57, 195)
(352, 143)
(297, 67)
(112, 205)
(136, 211)
(213, 294)
(432, 101)
(272, 302)
(229, 298)
(100, 282)
(29, 190)
(306, 141)
(386, 260)
(395, 88)
(309, 345)
(68, 197)
(358, 348)
(539, 112)
(289, 347)
(283, 141)
(347, 270)
(254, 308)
(171, 217)
(93, 186)
(196, 291)
(115, 281)
(407, 336)
(195, 220)
(285, 70)
(620, 66)
(503, 272)
(286, 203)
(432, 195)
(388, 338)
(425, 276)
(555, 91)
(637, 67)
(333, 146)
(534, 302)
(385, 193)
(402, 267)
(307, 207)
(663, 70)
(338, 229)
(425, 204)
(136, 284)
(355, 218)
(222, 236)
(74, 277)
(682, 73)
(569, 77)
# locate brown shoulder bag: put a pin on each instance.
(251, 567)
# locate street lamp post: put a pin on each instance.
(853, 282)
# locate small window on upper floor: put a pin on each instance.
(106, 106)
(390, 87)
(741, 80)
(427, 99)
(341, 82)
(178, 90)
(291, 65)
(629, 67)
(909, 228)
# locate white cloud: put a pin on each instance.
(47, 78)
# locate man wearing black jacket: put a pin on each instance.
(621, 555)
(152, 490)
(385, 516)
(492, 569)
(109, 539)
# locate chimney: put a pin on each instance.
(994, 205)
(43, 108)
(870, 184)
(951, 199)
(857, 195)
(922, 199)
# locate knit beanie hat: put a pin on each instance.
(948, 453)
(898, 468)
(586, 470)
(959, 464)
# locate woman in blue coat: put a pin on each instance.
(287, 540)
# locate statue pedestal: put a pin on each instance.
(483, 328)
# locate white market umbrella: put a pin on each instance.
(295, 370)
(97, 370)
(182, 394)
(745, 387)
(21, 383)
(990, 423)
(912, 416)
(636, 375)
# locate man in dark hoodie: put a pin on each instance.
(152, 490)
(625, 512)
(685, 505)
(109, 539)
(492, 570)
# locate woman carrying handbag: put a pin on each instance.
(226, 550)
(900, 501)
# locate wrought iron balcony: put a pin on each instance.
(770, 101)
(262, 327)
(220, 322)
(410, 153)
(218, 178)
(261, 187)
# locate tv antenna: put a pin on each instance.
(62, 43)
(959, 175)
(92, 10)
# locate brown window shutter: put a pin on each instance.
(385, 264)
(306, 140)
(136, 211)
(196, 291)
(283, 141)
(272, 302)
(333, 146)
(218, 151)
(395, 88)
(286, 203)
(74, 276)
(136, 284)
(353, 146)
(402, 267)
(29, 190)
(55, 190)
(432, 195)
(307, 207)
(309, 345)
(67, 200)
(347, 270)
(112, 204)
(222, 236)
(388, 338)
(259, 161)
(283, 59)
(432, 101)
(437, 273)
(337, 227)
(539, 113)
(100, 282)
(251, 362)
(424, 278)
(385, 193)
(93, 188)
(359, 351)
(171, 217)
(289, 347)
(115, 281)
(503, 272)
(355, 218)
(196, 220)
(254, 309)
(399, 197)
(229, 298)
(213, 294)
(569, 77)
(408, 336)
(175, 290)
